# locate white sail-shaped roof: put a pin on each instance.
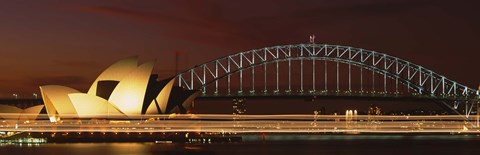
(129, 94)
(91, 106)
(123, 94)
(9, 109)
(10, 113)
(31, 113)
(115, 72)
(56, 101)
(162, 99)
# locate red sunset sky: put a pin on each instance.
(71, 42)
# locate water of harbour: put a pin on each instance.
(270, 144)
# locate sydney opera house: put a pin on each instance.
(125, 89)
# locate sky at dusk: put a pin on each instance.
(71, 42)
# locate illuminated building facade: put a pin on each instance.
(124, 89)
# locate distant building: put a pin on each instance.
(239, 106)
(374, 110)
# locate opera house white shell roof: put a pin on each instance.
(123, 89)
(15, 113)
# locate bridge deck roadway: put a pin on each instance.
(355, 96)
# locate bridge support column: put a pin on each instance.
(326, 76)
(301, 75)
(313, 75)
(361, 80)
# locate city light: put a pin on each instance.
(216, 123)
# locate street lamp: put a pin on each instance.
(15, 96)
(35, 95)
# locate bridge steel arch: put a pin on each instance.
(419, 81)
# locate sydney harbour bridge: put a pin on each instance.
(325, 70)
(303, 70)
